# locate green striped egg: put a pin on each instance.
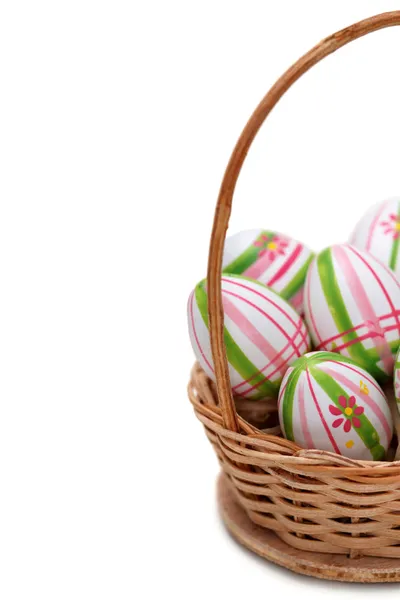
(329, 403)
(378, 232)
(352, 306)
(272, 258)
(263, 335)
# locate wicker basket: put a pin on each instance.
(312, 511)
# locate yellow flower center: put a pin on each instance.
(349, 444)
(272, 246)
(397, 226)
(348, 411)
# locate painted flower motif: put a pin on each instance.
(391, 226)
(271, 245)
(348, 415)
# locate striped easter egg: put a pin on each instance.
(272, 258)
(352, 306)
(378, 232)
(263, 335)
(330, 403)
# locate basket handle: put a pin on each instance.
(224, 203)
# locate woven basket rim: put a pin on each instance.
(287, 452)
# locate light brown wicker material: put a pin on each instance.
(267, 544)
(314, 501)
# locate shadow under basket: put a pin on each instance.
(311, 511)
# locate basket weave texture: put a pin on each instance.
(312, 499)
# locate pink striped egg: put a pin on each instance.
(272, 258)
(263, 335)
(352, 306)
(330, 403)
(378, 232)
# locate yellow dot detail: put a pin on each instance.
(349, 444)
(348, 411)
(397, 226)
(272, 246)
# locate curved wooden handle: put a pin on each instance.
(224, 203)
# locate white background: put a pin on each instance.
(116, 122)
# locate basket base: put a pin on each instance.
(265, 543)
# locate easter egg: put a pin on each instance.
(272, 258)
(378, 232)
(263, 335)
(352, 306)
(328, 402)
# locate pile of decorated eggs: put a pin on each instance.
(317, 334)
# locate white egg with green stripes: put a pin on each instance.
(352, 306)
(328, 402)
(263, 335)
(273, 258)
(378, 232)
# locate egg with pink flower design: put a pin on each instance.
(378, 232)
(278, 261)
(328, 402)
